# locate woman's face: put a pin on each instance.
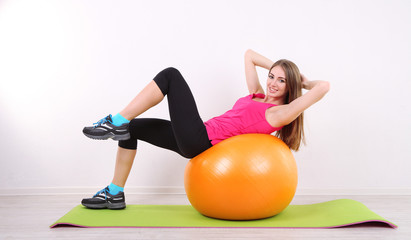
(276, 83)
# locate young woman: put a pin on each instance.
(278, 110)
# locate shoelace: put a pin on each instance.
(105, 191)
(102, 121)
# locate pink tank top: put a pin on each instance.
(247, 116)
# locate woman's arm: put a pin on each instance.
(307, 84)
(284, 114)
(251, 60)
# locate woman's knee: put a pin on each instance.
(167, 76)
(170, 73)
(171, 70)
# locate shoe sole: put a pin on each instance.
(113, 206)
(109, 135)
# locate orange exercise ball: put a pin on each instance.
(250, 176)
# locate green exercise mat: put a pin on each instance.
(336, 213)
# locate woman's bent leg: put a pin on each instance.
(116, 127)
(124, 162)
(155, 131)
(149, 97)
(188, 128)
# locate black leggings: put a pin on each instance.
(185, 133)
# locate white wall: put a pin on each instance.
(66, 64)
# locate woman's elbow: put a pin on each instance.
(325, 85)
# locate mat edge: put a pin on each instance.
(390, 224)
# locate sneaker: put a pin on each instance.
(104, 129)
(103, 199)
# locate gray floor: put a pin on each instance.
(29, 217)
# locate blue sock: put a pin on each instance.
(114, 189)
(118, 120)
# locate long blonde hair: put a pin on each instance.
(293, 133)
